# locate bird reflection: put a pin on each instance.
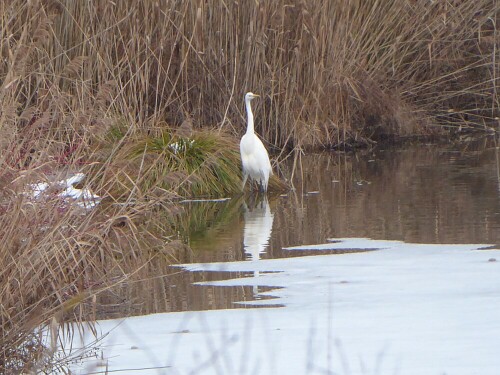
(257, 230)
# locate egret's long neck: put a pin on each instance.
(250, 128)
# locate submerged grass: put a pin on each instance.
(146, 99)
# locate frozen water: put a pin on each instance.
(405, 309)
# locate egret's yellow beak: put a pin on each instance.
(256, 95)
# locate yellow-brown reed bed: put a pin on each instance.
(104, 87)
(330, 72)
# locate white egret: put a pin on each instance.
(254, 157)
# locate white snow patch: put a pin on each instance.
(82, 197)
(408, 309)
(181, 146)
(38, 188)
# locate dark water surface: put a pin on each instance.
(423, 194)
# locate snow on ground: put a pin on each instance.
(64, 189)
(408, 309)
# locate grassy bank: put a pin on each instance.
(146, 99)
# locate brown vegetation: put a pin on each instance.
(84, 85)
(330, 71)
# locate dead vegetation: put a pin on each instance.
(97, 87)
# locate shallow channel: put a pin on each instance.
(430, 194)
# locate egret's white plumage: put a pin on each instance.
(254, 156)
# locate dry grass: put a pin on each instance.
(331, 72)
(57, 257)
(85, 85)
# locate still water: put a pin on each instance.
(416, 194)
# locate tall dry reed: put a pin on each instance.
(330, 71)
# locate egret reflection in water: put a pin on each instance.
(257, 230)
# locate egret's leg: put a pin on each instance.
(245, 177)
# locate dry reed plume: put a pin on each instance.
(82, 84)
